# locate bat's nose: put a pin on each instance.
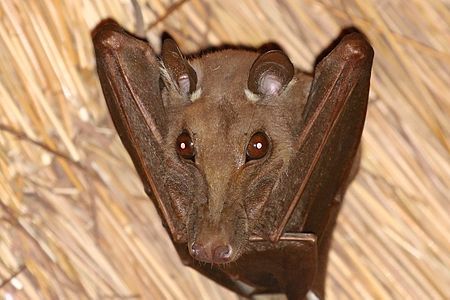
(212, 252)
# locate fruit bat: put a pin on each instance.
(245, 157)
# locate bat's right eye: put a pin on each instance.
(258, 146)
(185, 146)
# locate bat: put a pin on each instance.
(246, 158)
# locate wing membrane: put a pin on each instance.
(334, 118)
(129, 75)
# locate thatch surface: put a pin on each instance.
(74, 221)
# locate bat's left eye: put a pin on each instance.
(185, 146)
(257, 146)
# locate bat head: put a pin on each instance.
(234, 118)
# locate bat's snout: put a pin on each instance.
(214, 252)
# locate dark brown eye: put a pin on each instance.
(258, 146)
(185, 146)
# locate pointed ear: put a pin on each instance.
(178, 68)
(270, 73)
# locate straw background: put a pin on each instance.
(74, 221)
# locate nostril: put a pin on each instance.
(196, 249)
(222, 253)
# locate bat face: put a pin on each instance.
(232, 145)
(245, 158)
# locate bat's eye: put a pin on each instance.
(185, 146)
(257, 146)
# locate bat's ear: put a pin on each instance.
(270, 73)
(178, 68)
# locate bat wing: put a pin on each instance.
(129, 74)
(333, 122)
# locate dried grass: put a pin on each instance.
(74, 222)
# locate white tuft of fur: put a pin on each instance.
(252, 97)
(290, 84)
(196, 94)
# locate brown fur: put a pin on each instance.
(276, 213)
(221, 123)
